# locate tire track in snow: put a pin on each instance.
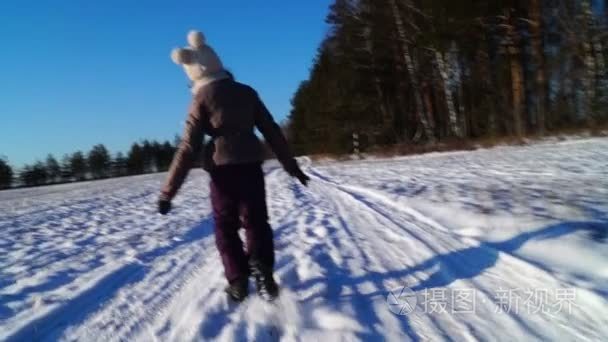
(457, 256)
(396, 262)
(416, 220)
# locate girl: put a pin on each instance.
(228, 112)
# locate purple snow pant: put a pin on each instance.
(238, 199)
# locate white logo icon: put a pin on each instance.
(401, 300)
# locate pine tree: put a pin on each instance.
(53, 169)
(6, 174)
(147, 152)
(66, 168)
(34, 175)
(99, 162)
(119, 165)
(165, 156)
(136, 163)
(78, 166)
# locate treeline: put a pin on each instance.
(422, 71)
(98, 163)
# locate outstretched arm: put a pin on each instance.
(274, 136)
(184, 158)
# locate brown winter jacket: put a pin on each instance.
(229, 112)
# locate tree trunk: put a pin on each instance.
(601, 80)
(600, 64)
(426, 89)
(429, 109)
(448, 94)
(489, 80)
(589, 59)
(463, 115)
(517, 76)
(387, 115)
(517, 91)
(407, 58)
(539, 61)
(483, 61)
(456, 79)
(589, 78)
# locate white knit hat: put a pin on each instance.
(201, 64)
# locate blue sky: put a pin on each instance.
(76, 73)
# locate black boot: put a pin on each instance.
(238, 290)
(266, 287)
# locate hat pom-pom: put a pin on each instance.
(196, 39)
(181, 56)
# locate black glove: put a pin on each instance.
(164, 206)
(292, 168)
(302, 177)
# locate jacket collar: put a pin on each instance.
(202, 82)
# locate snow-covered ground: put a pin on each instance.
(502, 244)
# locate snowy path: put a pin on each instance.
(502, 244)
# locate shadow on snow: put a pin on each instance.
(52, 325)
(444, 268)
